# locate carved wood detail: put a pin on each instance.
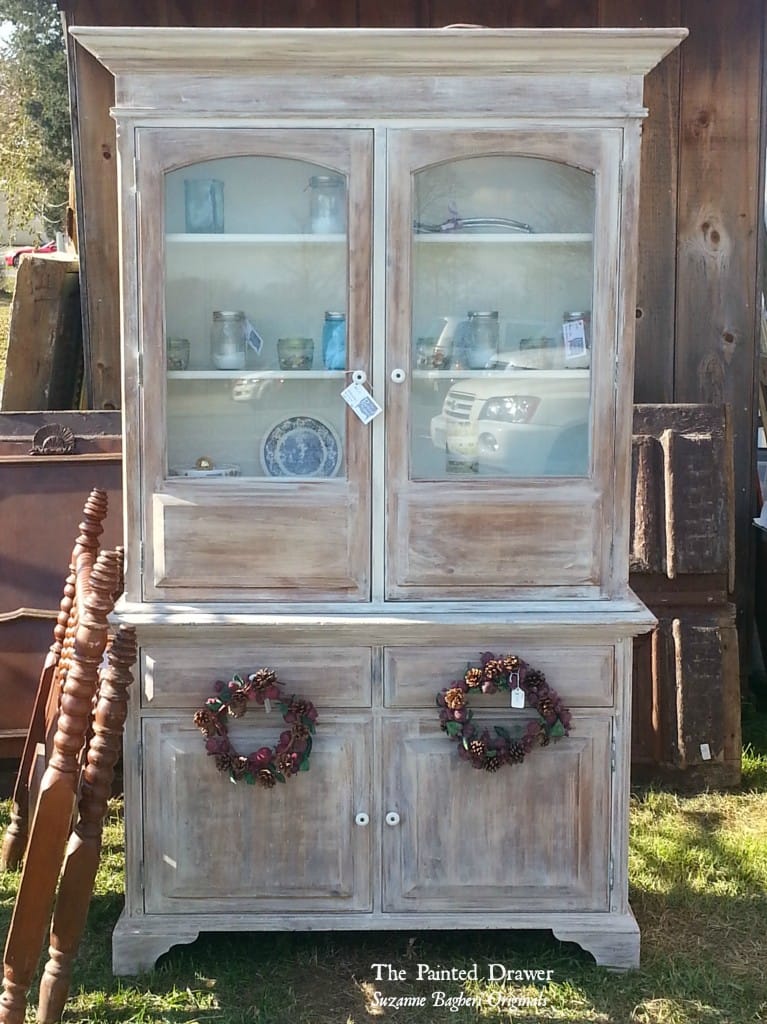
(84, 849)
(78, 668)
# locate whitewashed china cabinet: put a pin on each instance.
(446, 219)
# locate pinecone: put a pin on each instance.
(516, 754)
(455, 698)
(265, 778)
(286, 763)
(238, 767)
(492, 764)
(477, 749)
(207, 722)
(546, 708)
(224, 762)
(511, 663)
(300, 708)
(262, 679)
(299, 731)
(543, 737)
(493, 670)
(534, 678)
(473, 677)
(238, 704)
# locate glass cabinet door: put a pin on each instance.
(263, 317)
(500, 326)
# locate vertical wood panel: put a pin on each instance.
(94, 148)
(515, 14)
(654, 370)
(394, 14)
(716, 324)
(310, 13)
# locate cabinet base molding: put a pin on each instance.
(138, 942)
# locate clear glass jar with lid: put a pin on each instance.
(334, 341)
(327, 204)
(483, 337)
(228, 339)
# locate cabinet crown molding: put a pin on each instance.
(615, 52)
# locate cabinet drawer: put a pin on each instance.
(582, 676)
(182, 674)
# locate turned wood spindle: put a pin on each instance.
(53, 815)
(48, 689)
(84, 848)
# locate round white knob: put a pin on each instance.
(359, 376)
(392, 818)
(362, 819)
(398, 376)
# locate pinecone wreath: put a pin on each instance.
(268, 765)
(510, 673)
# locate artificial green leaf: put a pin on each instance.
(308, 746)
(557, 729)
(279, 776)
(304, 766)
(453, 728)
(501, 731)
(250, 778)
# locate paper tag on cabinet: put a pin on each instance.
(517, 693)
(574, 334)
(362, 402)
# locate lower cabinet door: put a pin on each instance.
(211, 846)
(528, 837)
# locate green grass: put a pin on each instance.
(698, 868)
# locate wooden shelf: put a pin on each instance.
(255, 375)
(254, 239)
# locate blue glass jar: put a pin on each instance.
(334, 341)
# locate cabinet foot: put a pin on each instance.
(137, 945)
(614, 945)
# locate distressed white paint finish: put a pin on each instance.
(626, 52)
(369, 621)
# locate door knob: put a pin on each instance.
(398, 375)
(362, 819)
(392, 818)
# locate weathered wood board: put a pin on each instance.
(44, 361)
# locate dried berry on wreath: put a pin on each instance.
(268, 765)
(490, 751)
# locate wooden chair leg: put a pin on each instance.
(84, 849)
(53, 814)
(15, 840)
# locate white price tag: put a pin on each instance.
(361, 401)
(574, 334)
(517, 693)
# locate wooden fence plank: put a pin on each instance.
(718, 213)
(45, 337)
(654, 372)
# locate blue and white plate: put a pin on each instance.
(301, 446)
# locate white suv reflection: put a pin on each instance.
(517, 422)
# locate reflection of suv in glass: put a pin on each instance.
(518, 423)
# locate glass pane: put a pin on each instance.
(501, 319)
(255, 319)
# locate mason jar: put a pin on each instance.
(228, 339)
(334, 341)
(483, 339)
(327, 204)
